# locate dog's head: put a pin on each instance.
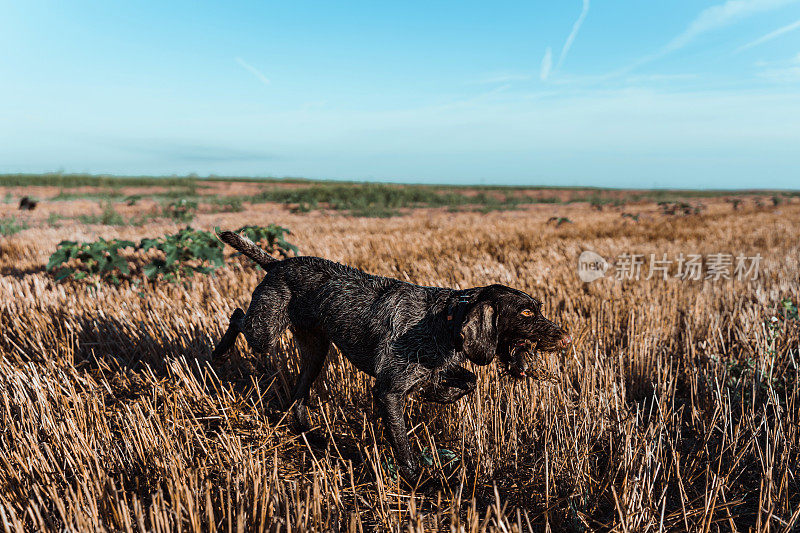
(508, 324)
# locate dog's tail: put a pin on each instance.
(248, 248)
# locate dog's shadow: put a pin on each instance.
(129, 356)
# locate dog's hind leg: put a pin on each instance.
(314, 347)
(227, 340)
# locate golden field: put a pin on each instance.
(677, 407)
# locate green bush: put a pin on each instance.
(95, 261)
(133, 199)
(271, 237)
(179, 256)
(185, 253)
(229, 204)
(181, 210)
(190, 251)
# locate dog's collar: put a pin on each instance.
(455, 316)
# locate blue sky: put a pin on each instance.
(585, 92)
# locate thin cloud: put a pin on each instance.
(467, 102)
(710, 19)
(191, 152)
(719, 16)
(253, 70)
(574, 33)
(502, 78)
(318, 104)
(660, 77)
(547, 64)
(780, 71)
(781, 75)
(768, 37)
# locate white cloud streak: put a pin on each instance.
(710, 19)
(547, 64)
(719, 16)
(768, 37)
(574, 33)
(780, 71)
(253, 70)
(501, 78)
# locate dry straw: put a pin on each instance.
(676, 409)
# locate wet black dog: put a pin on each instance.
(409, 338)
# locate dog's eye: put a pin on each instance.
(526, 312)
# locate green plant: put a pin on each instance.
(445, 457)
(93, 261)
(374, 212)
(10, 226)
(229, 204)
(788, 310)
(763, 375)
(559, 221)
(181, 255)
(304, 207)
(542, 200)
(108, 217)
(185, 253)
(181, 210)
(102, 195)
(682, 208)
(597, 203)
(271, 237)
(53, 219)
(735, 202)
(383, 200)
(190, 250)
(140, 220)
(773, 332)
(59, 179)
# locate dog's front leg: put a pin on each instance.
(450, 387)
(390, 405)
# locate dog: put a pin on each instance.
(408, 337)
(26, 204)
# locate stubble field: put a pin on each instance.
(676, 408)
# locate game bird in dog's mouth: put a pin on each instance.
(408, 337)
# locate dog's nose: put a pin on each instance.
(565, 340)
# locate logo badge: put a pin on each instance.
(591, 266)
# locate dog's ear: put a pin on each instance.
(479, 333)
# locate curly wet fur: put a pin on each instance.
(408, 337)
